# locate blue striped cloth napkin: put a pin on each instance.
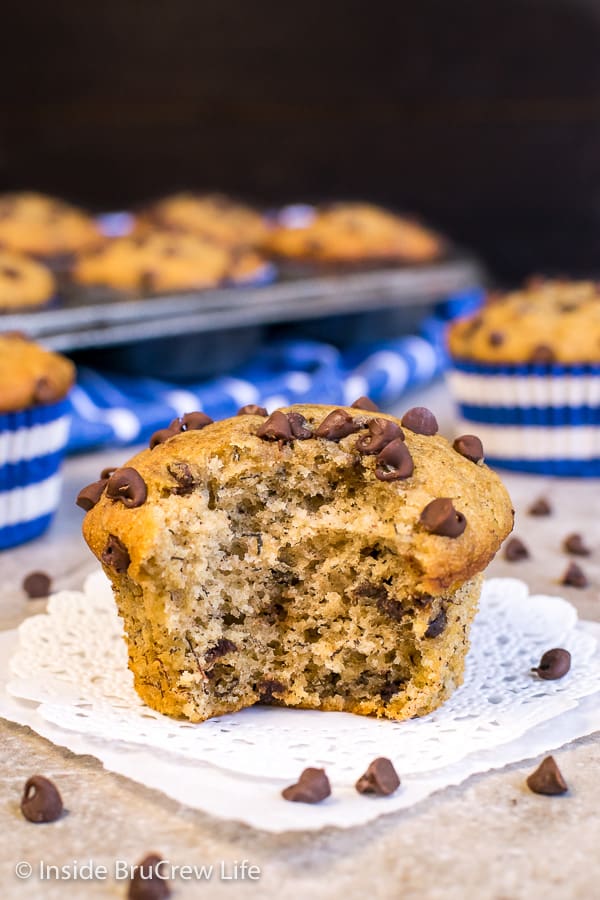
(111, 409)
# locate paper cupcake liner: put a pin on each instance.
(32, 445)
(541, 418)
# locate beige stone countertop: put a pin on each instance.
(488, 839)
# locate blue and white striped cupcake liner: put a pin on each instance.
(32, 445)
(539, 418)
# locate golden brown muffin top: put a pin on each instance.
(214, 217)
(30, 375)
(24, 282)
(544, 322)
(438, 507)
(44, 226)
(355, 232)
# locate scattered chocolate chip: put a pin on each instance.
(269, 688)
(162, 435)
(148, 881)
(495, 339)
(276, 428)
(128, 486)
(41, 801)
(440, 517)
(515, 550)
(469, 446)
(437, 625)
(391, 608)
(394, 462)
(11, 273)
(381, 433)
(365, 403)
(575, 576)
(251, 409)
(183, 475)
(542, 354)
(312, 787)
(574, 543)
(108, 471)
(147, 281)
(299, 426)
(115, 554)
(194, 421)
(221, 648)
(337, 425)
(420, 420)
(89, 495)
(541, 507)
(45, 392)
(37, 584)
(554, 664)
(380, 778)
(547, 779)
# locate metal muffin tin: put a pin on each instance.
(86, 319)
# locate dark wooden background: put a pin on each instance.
(484, 116)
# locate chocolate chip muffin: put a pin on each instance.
(321, 558)
(348, 233)
(214, 217)
(526, 375)
(161, 261)
(24, 282)
(44, 226)
(34, 427)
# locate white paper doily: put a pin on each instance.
(72, 661)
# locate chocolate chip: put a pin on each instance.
(337, 425)
(128, 486)
(37, 584)
(251, 409)
(11, 273)
(547, 779)
(312, 787)
(183, 475)
(365, 403)
(115, 554)
(147, 281)
(554, 664)
(41, 801)
(542, 354)
(420, 420)
(299, 426)
(440, 517)
(269, 688)
(515, 550)
(495, 339)
(45, 392)
(194, 421)
(276, 428)
(541, 507)
(221, 648)
(394, 462)
(574, 543)
(575, 576)
(148, 880)
(380, 778)
(381, 433)
(162, 435)
(391, 608)
(469, 446)
(437, 625)
(89, 495)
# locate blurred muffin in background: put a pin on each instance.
(526, 375)
(347, 233)
(43, 226)
(34, 427)
(213, 217)
(24, 282)
(161, 261)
